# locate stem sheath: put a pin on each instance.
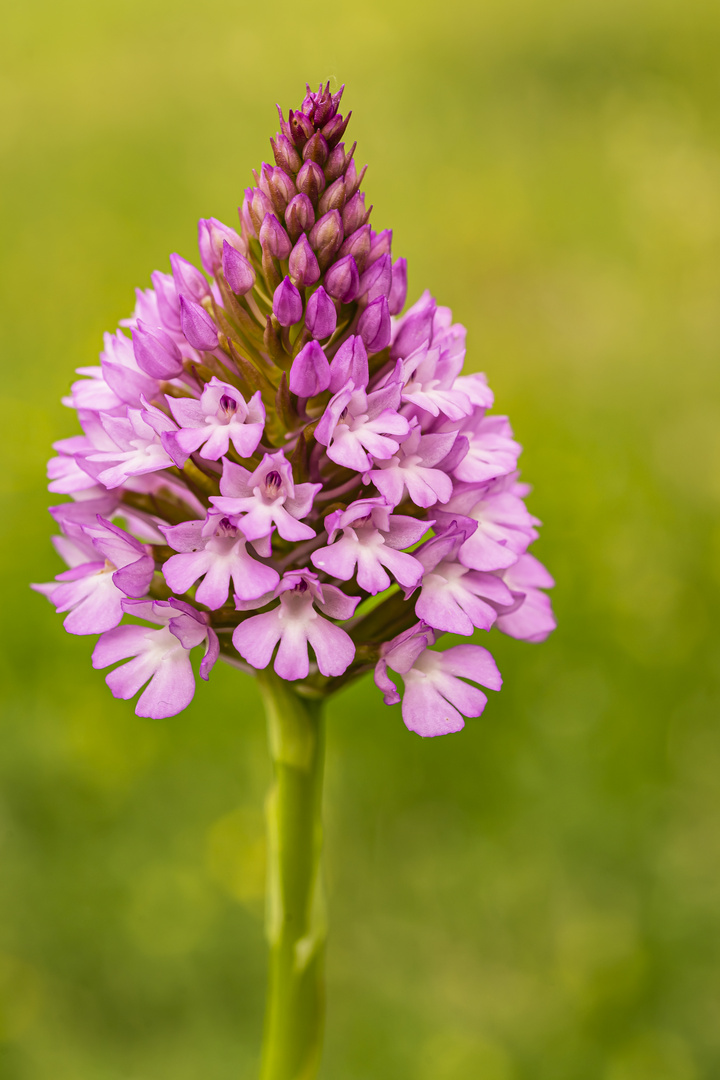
(296, 927)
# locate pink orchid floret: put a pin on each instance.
(93, 589)
(356, 424)
(220, 417)
(137, 448)
(412, 469)
(370, 545)
(452, 598)
(267, 432)
(492, 451)
(531, 616)
(216, 551)
(266, 499)
(436, 697)
(504, 527)
(296, 624)
(160, 658)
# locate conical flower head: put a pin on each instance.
(268, 443)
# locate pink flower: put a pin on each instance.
(276, 413)
(356, 424)
(532, 619)
(435, 698)
(93, 589)
(216, 551)
(220, 417)
(370, 542)
(453, 598)
(296, 624)
(412, 469)
(266, 498)
(160, 658)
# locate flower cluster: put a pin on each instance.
(278, 466)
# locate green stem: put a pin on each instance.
(296, 928)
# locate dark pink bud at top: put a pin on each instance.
(342, 280)
(303, 265)
(311, 180)
(374, 325)
(212, 234)
(237, 271)
(167, 300)
(188, 279)
(380, 244)
(255, 207)
(358, 245)
(299, 128)
(320, 315)
(335, 129)
(377, 279)
(353, 178)
(287, 303)
(316, 149)
(354, 213)
(327, 233)
(273, 238)
(299, 216)
(285, 154)
(197, 326)
(398, 290)
(278, 187)
(333, 197)
(349, 362)
(310, 371)
(156, 352)
(335, 164)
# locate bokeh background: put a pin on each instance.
(537, 898)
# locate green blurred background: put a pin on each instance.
(537, 898)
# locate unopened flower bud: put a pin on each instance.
(377, 279)
(342, 280)
(316, 149)
(156, 352)
(287, 303)
(354, 213)
(398, 290)
(326, 236)
(278, 187)
(380, 244)
(188, 279)
(374, 325)
(167, 300)
(353, 178)
(333, 198)
(211, 236)
(299, 216)
(255, 207)
(273, 238)
(311, 180)
(300, 128)
(358, 245)
(197, 326)
(237, 271)
(320, 315)
(310, 371)
(349, 362)
(285, 154)
(335, 164)
(304, 269)
(335, 129)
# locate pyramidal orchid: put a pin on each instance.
(279, 468)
